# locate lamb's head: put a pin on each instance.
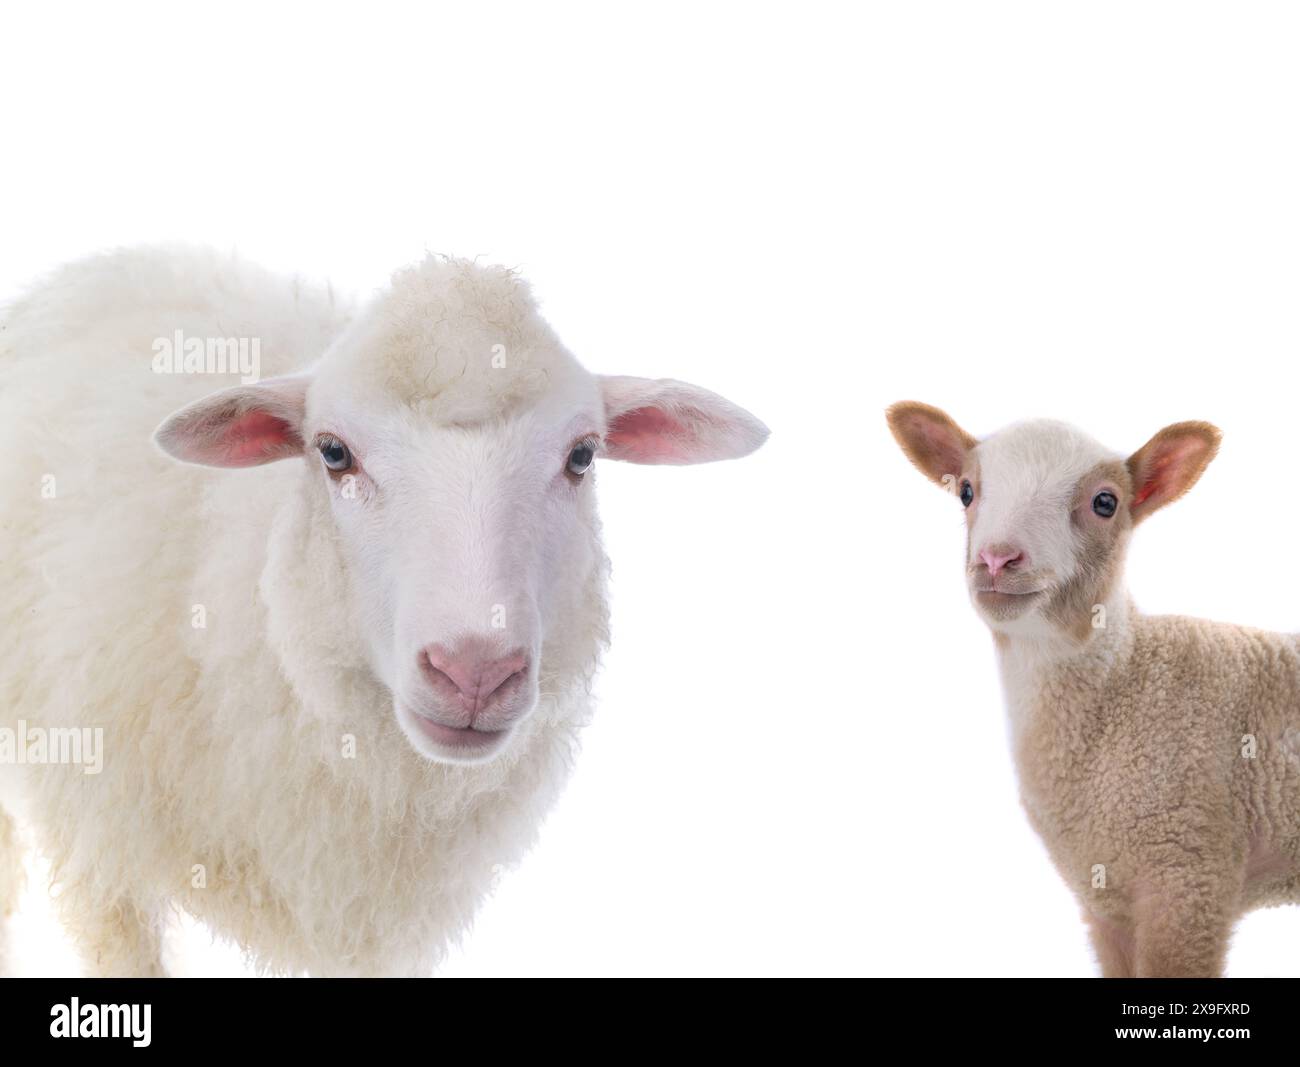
(449, 439)
(1048, 510)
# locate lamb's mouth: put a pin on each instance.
(1004, 603)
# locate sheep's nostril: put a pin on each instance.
(440, 678)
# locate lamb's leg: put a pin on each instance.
(114, 939)
(11, 883)
(1182, 934)
(1115, 946)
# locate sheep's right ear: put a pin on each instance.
(931, 440)
(243, 426)
(1169, 464)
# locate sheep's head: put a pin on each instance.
(1048, 510)
(454, 439)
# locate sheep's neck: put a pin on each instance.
(1037, 669)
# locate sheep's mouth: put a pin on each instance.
(459, 736)
(1004, 603)
(450, 744)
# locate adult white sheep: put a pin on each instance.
(1159, 756)
(338, 691)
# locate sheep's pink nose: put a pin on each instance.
(468, 674)
(998, 557)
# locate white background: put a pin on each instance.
(799, 762)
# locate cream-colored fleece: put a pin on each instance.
(1161, 765)
(1158, 756)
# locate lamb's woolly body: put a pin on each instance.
(226, 787)
(1132, 734)
(1158, 756)
(1133, 754)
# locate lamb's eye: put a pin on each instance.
(1104, 504)
(335, 453)
(580, 459)
(967, 494)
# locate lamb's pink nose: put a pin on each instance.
(467, 673)
(998, 557)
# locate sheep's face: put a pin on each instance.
(470, 547)
(458, 472)
(1048, 511)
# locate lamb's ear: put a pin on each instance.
(1169, 464)
(931, 440)
(243, 426)
(664, 421)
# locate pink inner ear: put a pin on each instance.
(1164, 470)
(648, 435)
(942, 447)
(252, 438)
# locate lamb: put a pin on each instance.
(1158, 757)
(338, 692)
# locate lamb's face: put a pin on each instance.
(452, 442)
(1046, 524)
(1048, 510)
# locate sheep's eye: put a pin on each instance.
(580, 459)
(1104, 504)
(335, 453)
(967, 494)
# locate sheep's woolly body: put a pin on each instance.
(1159, 757)
(1138, 769)
(228, 785)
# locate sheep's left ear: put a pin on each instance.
(1169, 464)
(664, 421)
